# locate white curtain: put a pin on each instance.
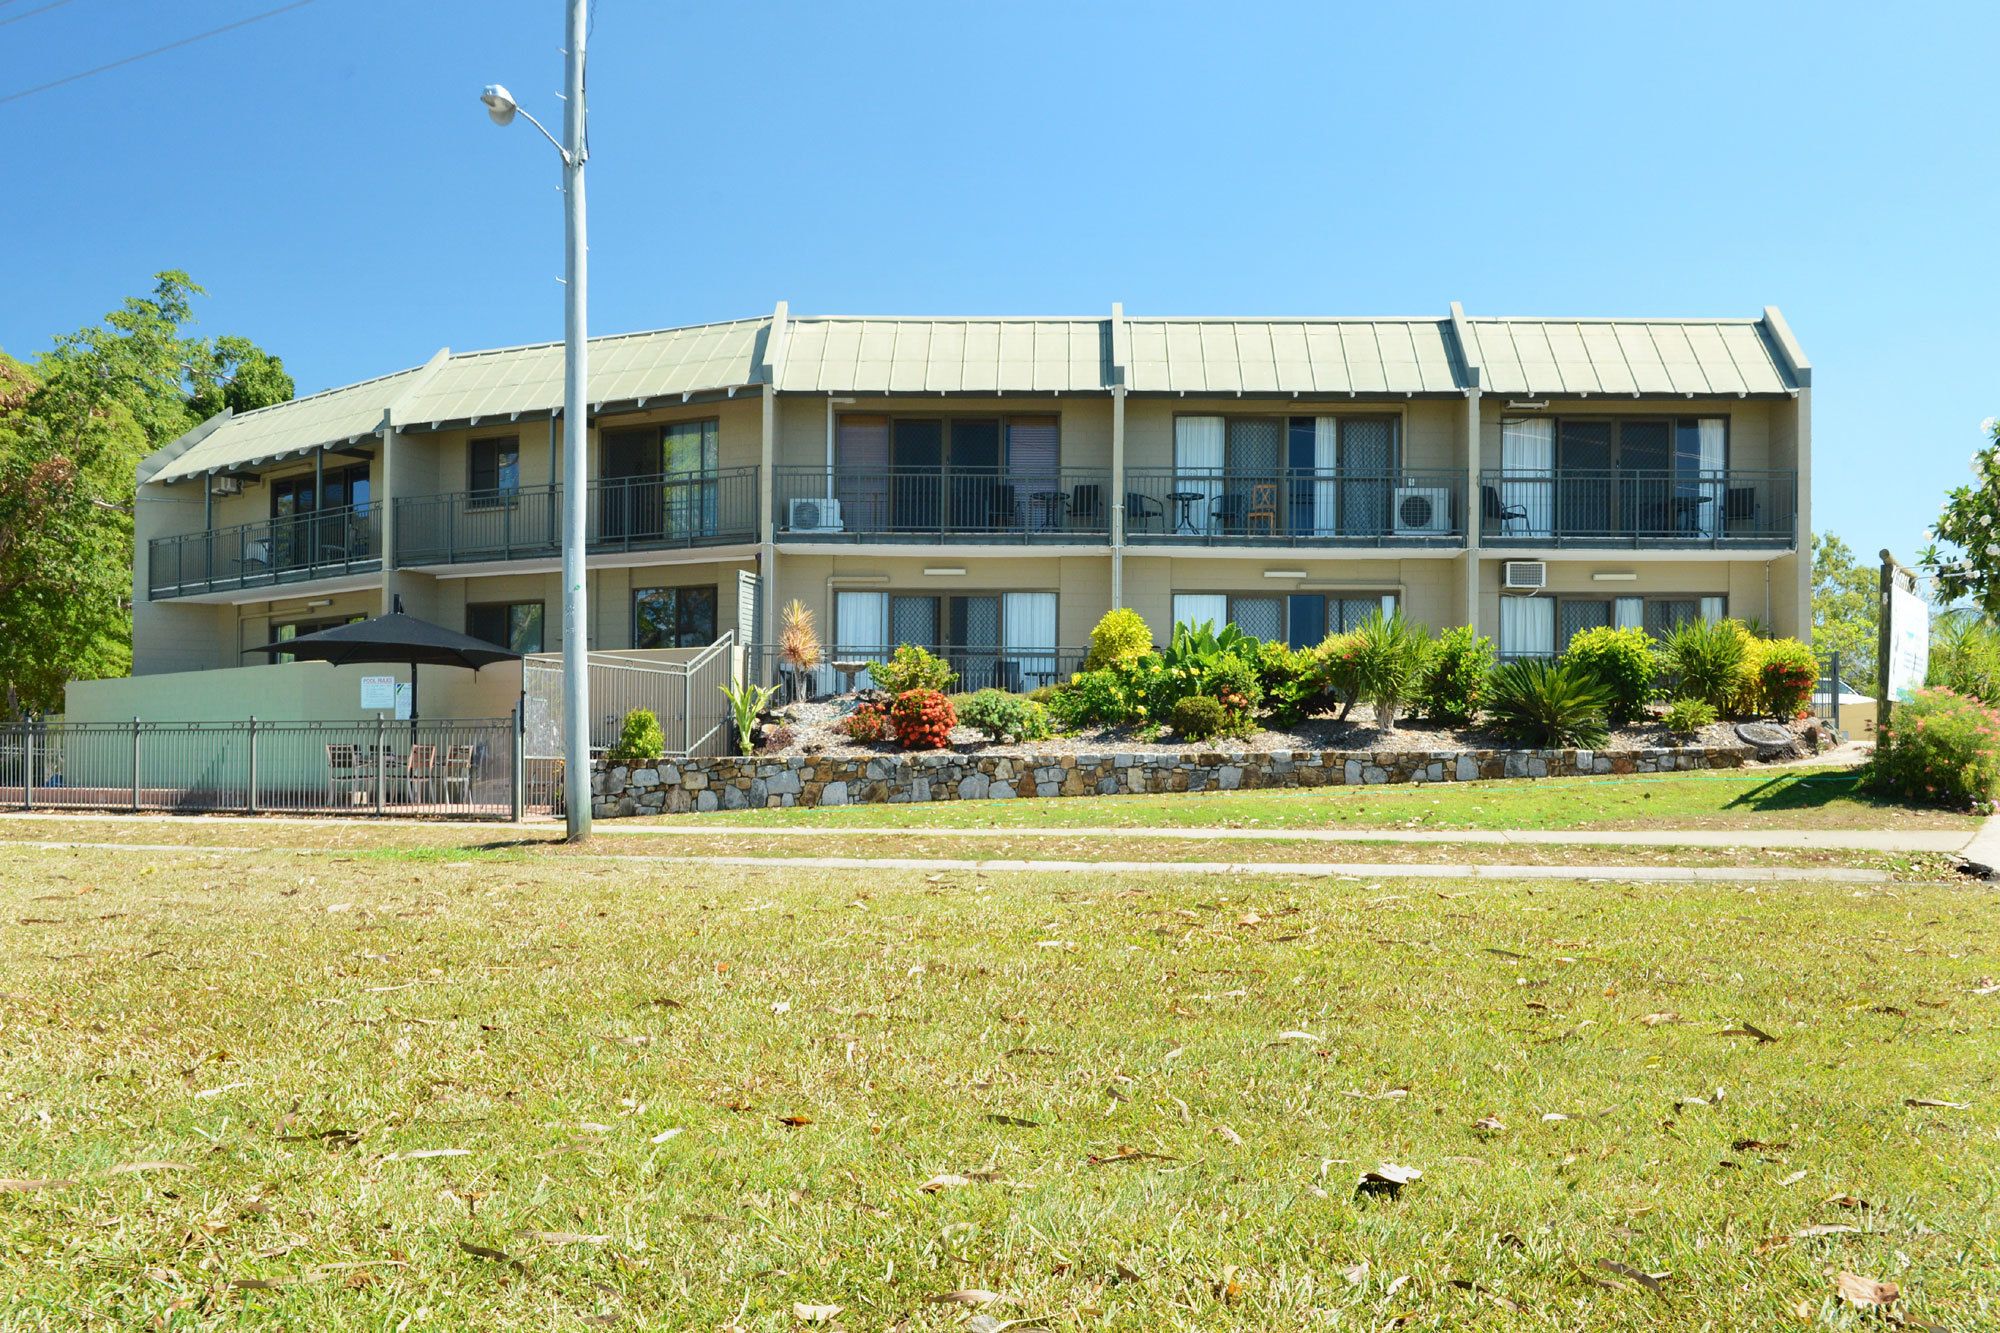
(1527, 470)
(1326, 485)
(1196, 608)
(1527, 626)
(1198, 458)
(860, 629)
(1628, 613)
(1028, 633)
(1714, 608)
(1713, 434)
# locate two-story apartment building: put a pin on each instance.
(991, 486)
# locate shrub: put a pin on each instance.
(1294, 681)
(1199, 717)
(1340, 666)
(746, 702)
(799, 649)
(1534, 703)
(1686, 716)
(1120, 639)
(1940, 748)
(867, 723)
(1003, 716)
(1389, 657)
(1787, 673)
(912, 668)
(1199, 660)
(1093, 699)
(923, 719)
(1623, 661)
(1965, 654)
(1707, 660)
(1045, 695)
(1454, 676)
(639, 738)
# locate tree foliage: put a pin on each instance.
(1845, 596)
(1964, 551)
(73, 428)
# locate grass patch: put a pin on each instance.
(1791, 798)
(412, 1090)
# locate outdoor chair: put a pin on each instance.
(1503, 514)
(345, 774)
(1141, 510)
(1228, 513)
(1263, 507)
(458, 772)
(1739, 505)
(422, 774)
(1086, 506)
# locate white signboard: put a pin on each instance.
(406, 695)
(1909, 642)
(378, 693)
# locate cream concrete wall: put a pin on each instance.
(1741, 581)
(1085, 429)
(1429, 427)
(289, 692)
(1426, 589)
(1082, 584)
(609, 592)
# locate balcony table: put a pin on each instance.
(1054, 506)
(1186, 500)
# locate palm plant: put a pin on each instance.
(1388, 664)
(1547, 707)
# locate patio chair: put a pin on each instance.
(458, 772)
(1263, 507)
(1739, 505)
(1141, 510)
(1228, 514)
(345, 774)
(1086, 506)
(1492, 509)
(422, 774)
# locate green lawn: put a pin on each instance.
(1769, 798)
(429, 1089)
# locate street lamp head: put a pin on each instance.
(499, 104)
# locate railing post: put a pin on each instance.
(517, 768)
(1833, 693)
(135, 764)
(250, 794)
(28, 764)
(381, 759)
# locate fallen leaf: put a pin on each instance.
(566, 1237)
(30, 1186)
(1125, 1154)
(1019, 1122)
(1228, 1135)
(1848, 1201)
(1747, 1030)
(1652, 1282)
(1865, 1291)
(1227, 1288)
(1757, 1145)
(794, 1121)
(1295, 1034)
(967, 1296)
(421, 1153)
(1357, 1274)
(1387, 1178)
(947, 1181)
(815, 1314)
(1826, 1229)
(1654, 1020)
(488, 1252)
(665, 1134)
(1552, 1116)
(1792, 1179)
(1490, 1123)
(1934, 1102)
(131, 1167)
(1466, 1284)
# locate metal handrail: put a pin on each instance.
(1708, 507)
(998, 503)
(290, 548)
(1295, 506)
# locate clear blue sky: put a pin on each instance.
(330, 178)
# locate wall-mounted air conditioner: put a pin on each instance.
(1527, 574)
(821, 514)
(1423, 511)
(224, 484)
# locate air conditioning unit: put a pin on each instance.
(815, 515)
(1528, 574)
(1423, 511)
(224, 484)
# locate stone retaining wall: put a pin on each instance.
(737, 783)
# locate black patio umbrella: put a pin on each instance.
(393, 639)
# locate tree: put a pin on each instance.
(73, 428)
(1845, 597)
(1964, 551)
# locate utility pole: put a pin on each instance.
(576, 443)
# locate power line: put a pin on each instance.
(158, 50)
(30, 13)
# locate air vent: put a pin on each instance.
(1524, 574)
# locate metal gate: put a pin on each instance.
(685, 696)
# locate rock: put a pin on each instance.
(705, 801)
(834, 793)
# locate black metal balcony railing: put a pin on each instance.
(1615, 507)
(1295, 507)
(293, 549)
(924, 504)
(1014, 669)
(663, 512)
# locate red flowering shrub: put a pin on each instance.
(923, 719)
(1939, 748)
(1788, 687)
(868, 722)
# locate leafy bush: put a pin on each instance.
(1965, 654)
(640, 738)
(1120, 639)
(1454, 676)
(1536, 704)
(1684, 717)
(923, 719)
(1199, 718)
(1623, 661)
(1340, 666)
(1045, 695)
(776, 739)
(912, 668)
(1003, 716)
(1389, 657)
(867, 723)
(1940, 748)
(1787, 673)
(1707, 659)
(1294, 681)
(1200, 660)
(1094, 699)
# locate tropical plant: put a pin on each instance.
(1547, 706)
(1199, 659)
(1294, 681)
(746, 702)
(639, 738)
(799, 649)
(869, 722)
(1454, 676)
(1623, 661)
(1340, 664)
(912, 668)
(1940, 748)
(1964, 553)
(1389, 656)
(1684, 717)
(1120, 638)
(1095, 699)
(1003, 716)
(1965, 654)
(1707, 660)
(922, 719)
(1199, 717)
(1787, 674)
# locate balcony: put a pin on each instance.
(664, 512)
(1627, 509)
(1294, 507)
(927, 505)
(295, 549)
(1013, 668)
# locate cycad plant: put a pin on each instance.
(1547, 707)
(1388, 664)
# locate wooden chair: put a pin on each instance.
(458, 772)
(422, 773)
(345, 773)
(1263, 507)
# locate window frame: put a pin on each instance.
(496, 496)
(714, 592)
(507, 608)
(1284, 600)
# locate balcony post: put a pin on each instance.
(1117, 496)
(382, 512)
(1471, 511)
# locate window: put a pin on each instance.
(494, 469)
(293, 629)
(1318, 475)
(673, 617)
(1003, 472)
(516, 626)
(1005, 640)
(1543, 626)
(310, 519)
(1300, 619)
(1605, 475)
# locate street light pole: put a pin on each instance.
(575, 149)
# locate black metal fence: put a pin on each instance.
(1298, 507)
(465, 769)
(919, 504)
(1614, 506)
(665, 512)
(292, 549)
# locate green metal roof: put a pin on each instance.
(842, 354)
(1620, 356)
